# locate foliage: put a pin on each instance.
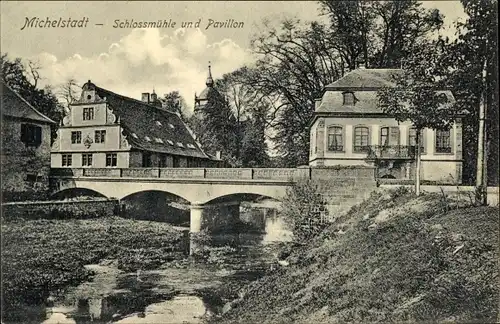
(173, 101)
(473, 51)
(24, 78)
(41, 256)
(416, 95)
(303, 209)
(394, 258)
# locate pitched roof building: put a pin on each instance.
(350, 128)
(26, 136)
(106, 129)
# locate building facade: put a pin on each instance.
(350, 128)
(26, 137)
(108, 130)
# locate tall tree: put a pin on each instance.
(378, 32)
(473, 53)
(416, 97)
(24, 79)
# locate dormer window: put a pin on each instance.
(191, 146)
(158, 123)
(179, 144)
(147, 138)
(171, 126)
(349, 99)
(158, 140)
(134, 135)
(170, 142)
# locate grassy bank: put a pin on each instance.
(394, 258)
(43, 256)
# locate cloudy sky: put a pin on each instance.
(130, 61)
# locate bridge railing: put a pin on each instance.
(278, 174)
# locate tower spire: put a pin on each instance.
(210, 80)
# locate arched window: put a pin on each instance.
(443, 141)
(349, 99)
(361, 138)
(335, 139)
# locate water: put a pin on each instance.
(188, 292)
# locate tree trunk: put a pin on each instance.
(481, 198)
(417, 162)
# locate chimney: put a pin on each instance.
(154, 97)
(145, 97)
(218, 155)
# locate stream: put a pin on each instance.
(187, 291)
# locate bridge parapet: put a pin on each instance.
(341, 176)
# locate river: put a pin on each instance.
(184, 291)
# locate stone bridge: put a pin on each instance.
(218, 191)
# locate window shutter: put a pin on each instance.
(24, 133)
(38, 135)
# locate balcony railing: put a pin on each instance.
(391, 152)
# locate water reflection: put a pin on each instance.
(174, 295)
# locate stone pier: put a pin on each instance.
(213, 218)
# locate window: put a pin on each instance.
(163, 160)
(88, 113)
(76, 137)
(389, 136)
(443, 143)
(86, 159)
(361, 139)
(100, 136)
(67, 159)
(31, 135)
(146, 160)
(412, 138)
(349, 99)
(335, 141)
(111, 159)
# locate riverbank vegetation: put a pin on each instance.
(44, 256)
(395, 257)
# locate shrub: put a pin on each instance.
(304, 209)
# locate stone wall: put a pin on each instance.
(25, 170)
(343, 187)
(60, 209)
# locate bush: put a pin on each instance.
(304, 209)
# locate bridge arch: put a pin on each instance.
(241, 197)
(76, 192)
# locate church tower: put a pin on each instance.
(201, 100)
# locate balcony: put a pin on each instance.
(391, 152)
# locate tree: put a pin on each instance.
(214, 125)
(474, 52)
(24, 79)
(68, 92)
(378, 32)
(173, 101)
(416, 96)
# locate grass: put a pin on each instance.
(44, 256)
(393, 258)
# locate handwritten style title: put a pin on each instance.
(36, 22)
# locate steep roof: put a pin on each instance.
(151, 128)
(13, 105)
(364, 83)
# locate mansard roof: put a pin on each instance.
(364, 78)
(363, 83)
(13, 105)
(148, 127)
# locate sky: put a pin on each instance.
(131, 61)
